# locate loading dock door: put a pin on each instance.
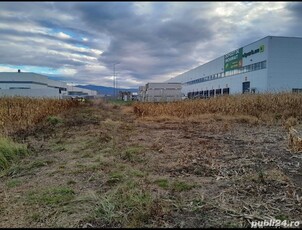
(246, 87)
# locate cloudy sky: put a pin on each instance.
(79, 42)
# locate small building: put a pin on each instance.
(160, 92)
(125, 95)
(76, 92)
(30, 85)
(36, 85)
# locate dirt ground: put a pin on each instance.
(101, 166)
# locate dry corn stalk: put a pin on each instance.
(294, 140)
(18, 113)
(278, 106)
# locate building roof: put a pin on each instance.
(27, 77)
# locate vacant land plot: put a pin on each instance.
(102, 166)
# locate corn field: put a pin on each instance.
(276, 106)
(19, 113)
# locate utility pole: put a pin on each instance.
(114, 80)
(116, 85)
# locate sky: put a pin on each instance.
(83, 42)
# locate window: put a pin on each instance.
(244, 69)
(206, 93)
(263, 65)
(226, 91)
(212, 93)
(252, 67)
(19, 87)
(218, 91)
(257, 66)
(296, 90)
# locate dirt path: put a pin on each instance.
(102, 167)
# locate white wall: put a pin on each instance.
(257, 80)
(283, 56)
(156, 92)
(285, 63)
(37, 83)
(38, 93)
(27, 85)
(257, 57)
(11, 76)
(78, 89)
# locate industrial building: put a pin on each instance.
(160, 92)
(73, 92)
(127, 96)
(37, 85)
(271, 64)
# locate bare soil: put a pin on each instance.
(202, 173)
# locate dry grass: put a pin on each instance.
(19, 113)
(103, 168)
(295, 140)
(267, 107)
(252, 109)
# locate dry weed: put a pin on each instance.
(294, 140)
(19, 113)
(267, 107)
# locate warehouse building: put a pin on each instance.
(160, 92)
(74, 92)
(141, 93)
(36, 85)
(271, 64)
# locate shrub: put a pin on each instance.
(54, 120)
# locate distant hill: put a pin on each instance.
(105, 90)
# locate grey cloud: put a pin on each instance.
(167, 38)
(26, 54)
(295, 7)
(12, 32)
(106, 16)
(33, 58)
(146, 47)
(294, 25)
(20, 47)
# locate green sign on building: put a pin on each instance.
(261, 48)
(233, 60)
